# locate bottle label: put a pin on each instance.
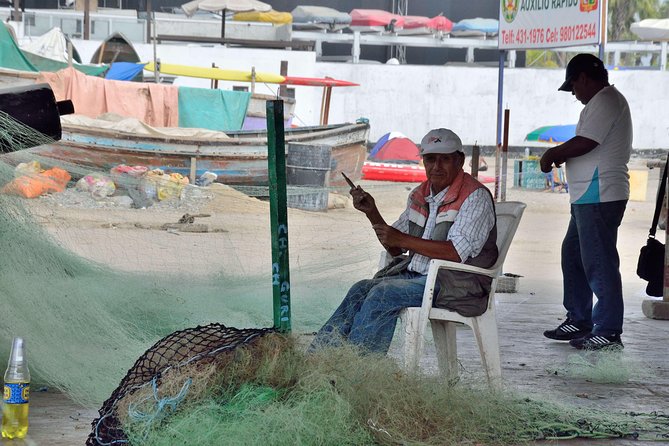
(16, 393)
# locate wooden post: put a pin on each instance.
(253, 80)
(283, 71)
(16, 13)
(193, 169)
(69, 53)
(156, 71)
(214, 82)
(223, 26)
(476, 152)
(276, 159)
(505, 154)
(325, 105)
(149, 35)
(498, 170)
(87, 20)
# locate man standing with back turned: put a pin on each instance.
(596, 161)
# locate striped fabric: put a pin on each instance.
(568, 328)
(599, 340)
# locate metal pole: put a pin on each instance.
(276, 158)
(500, 97)
(602, 31)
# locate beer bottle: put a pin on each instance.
(16, 393)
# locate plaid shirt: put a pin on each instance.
(469, 231)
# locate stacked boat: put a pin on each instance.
(373, 21)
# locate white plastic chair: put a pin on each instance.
(414, 319)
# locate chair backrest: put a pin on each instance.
(508, 217)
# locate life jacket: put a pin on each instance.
(459, 291)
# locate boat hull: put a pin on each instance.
(401, 172)
(239, 160)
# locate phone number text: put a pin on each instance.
(548, 35)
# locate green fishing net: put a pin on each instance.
(92, 280)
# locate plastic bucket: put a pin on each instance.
(307, 176)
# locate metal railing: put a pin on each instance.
(38, 22)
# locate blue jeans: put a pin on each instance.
(590, 264)
(368, 314)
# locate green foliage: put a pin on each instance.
(541, 59)
(621, 15)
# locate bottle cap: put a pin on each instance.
(17, 351)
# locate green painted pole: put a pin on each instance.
(276, 159)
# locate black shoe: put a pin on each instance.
(567, 331)
(592, 341)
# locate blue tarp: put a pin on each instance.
(123, 71)
(222, 110)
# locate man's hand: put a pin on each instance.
(389, 237)
(547, 161)
(363, 201)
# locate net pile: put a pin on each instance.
(338, 397)
(197, 345)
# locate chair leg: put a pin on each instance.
(445, 341)
(485, 331)
(413, 338)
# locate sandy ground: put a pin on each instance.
(528, 360)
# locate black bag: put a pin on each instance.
(651, 258)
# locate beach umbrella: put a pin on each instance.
(552, 133)
(224, 5)
(395, 146)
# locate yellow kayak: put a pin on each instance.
(215, 73)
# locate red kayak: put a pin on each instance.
(410, 173)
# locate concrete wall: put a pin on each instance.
(414, 98)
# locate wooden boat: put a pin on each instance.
(239, 160)
(115, 48)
